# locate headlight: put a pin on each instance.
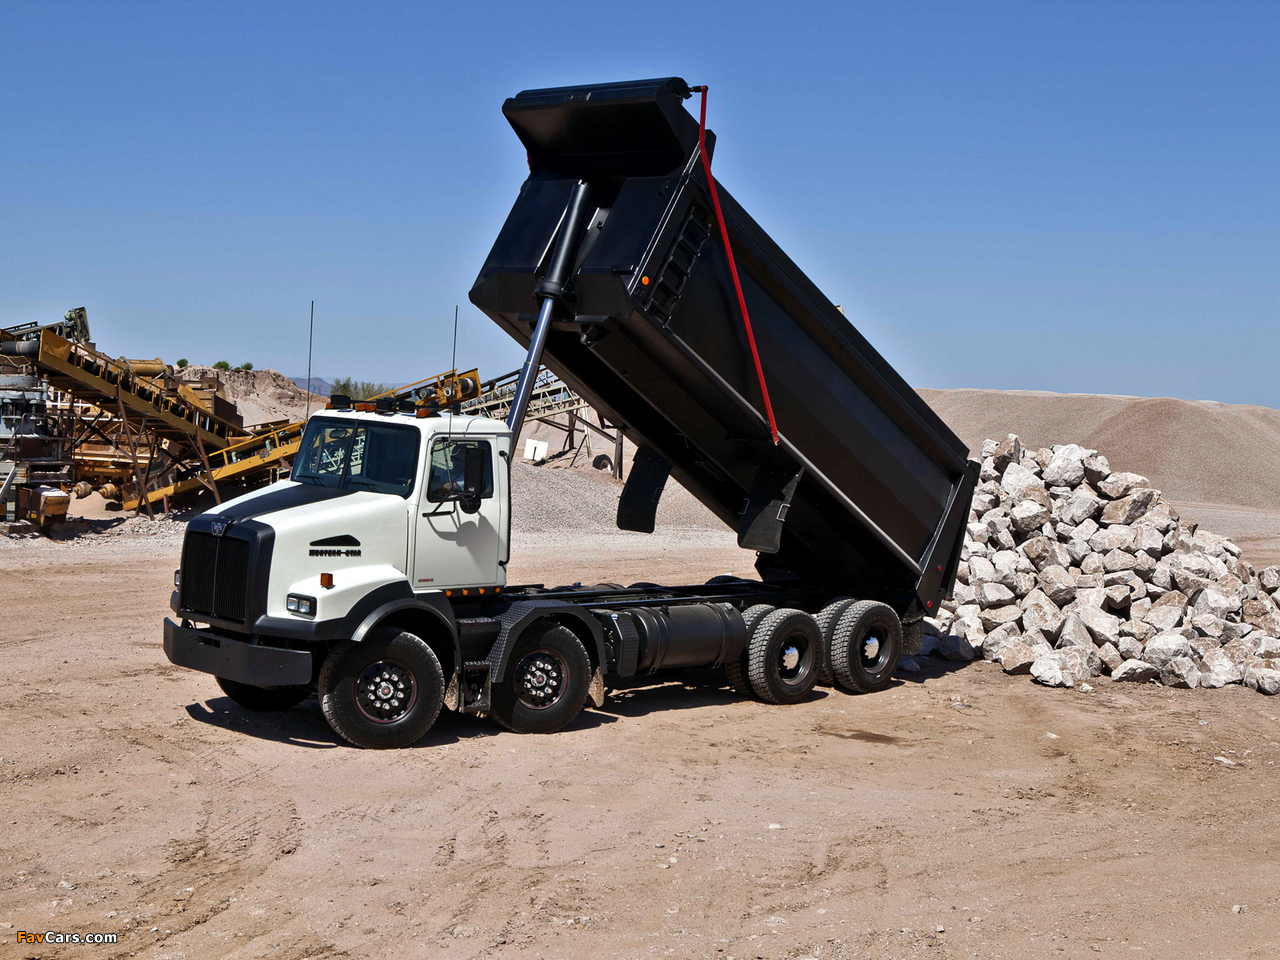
(303, 606)
(177, 578)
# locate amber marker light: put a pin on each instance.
(326, 580)
(645, 281)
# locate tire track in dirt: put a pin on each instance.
(243, 825)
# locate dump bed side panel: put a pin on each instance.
(655, 340)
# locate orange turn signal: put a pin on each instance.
(326, 580)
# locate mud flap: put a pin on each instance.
(595, 692)
(760, 524)
(638, 505)
(452, 699)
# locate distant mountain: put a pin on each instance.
(317, 385)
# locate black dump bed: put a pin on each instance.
(868, 490)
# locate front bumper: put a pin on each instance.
(222, 656)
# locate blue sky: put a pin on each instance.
(1065, 196)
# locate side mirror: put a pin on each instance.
(473, 472)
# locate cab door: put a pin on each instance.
(457, 542)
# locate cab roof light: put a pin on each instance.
(364, 407)
(339, 401)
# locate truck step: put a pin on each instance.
(476, 686)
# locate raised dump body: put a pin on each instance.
(867, 490)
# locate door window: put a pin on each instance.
(448, 471)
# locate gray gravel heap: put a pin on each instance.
(1070, 571)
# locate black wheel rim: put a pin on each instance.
(386, 691)
(873, 651)
(540, 679)
(794, 660)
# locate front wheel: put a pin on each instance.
(264, 699)
(548, 678)
(866, 647)
(383, 692)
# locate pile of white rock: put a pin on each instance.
(1070, 572)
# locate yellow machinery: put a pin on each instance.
(137, 389)
(443, 389)
(266, 451)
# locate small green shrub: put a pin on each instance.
(222, 365)
(356, 389)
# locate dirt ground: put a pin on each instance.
(960, 814)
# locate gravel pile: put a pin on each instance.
(1070, 571)
(169, 528)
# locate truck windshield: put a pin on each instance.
(358, 455)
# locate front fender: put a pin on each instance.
(434, 605)
(350, 589)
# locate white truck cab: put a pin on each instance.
(381, 499)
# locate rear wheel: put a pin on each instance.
(827, 619)
(784, 654)
(737, 670)
(866, 647)
(385, 691)
(264, 698)
(547, 681)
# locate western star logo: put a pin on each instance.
(220, 527)
(343, 545)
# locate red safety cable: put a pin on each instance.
(733, 266)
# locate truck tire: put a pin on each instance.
(827, 619)
(866, 647)
(385, 691)
(264, 699)
(784, 654)
(723, 578)
(737, 670)
(548, 677)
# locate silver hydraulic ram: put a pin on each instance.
(551, 288)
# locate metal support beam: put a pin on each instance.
(133, 454)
